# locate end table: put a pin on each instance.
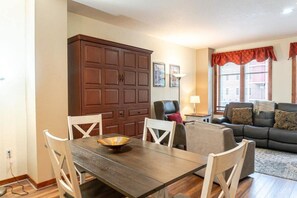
(198, 117)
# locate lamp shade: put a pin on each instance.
(195, 99)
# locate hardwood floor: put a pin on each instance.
(256, 186)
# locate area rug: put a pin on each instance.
(276, 163)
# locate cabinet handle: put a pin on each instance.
(123, 77)
(119, 78)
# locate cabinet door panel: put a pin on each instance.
(107, 129)
(129, 59)
(130, 78)
(111, 96)
(143, 79)
(143, 62)
(111, 76)
(108, 115)
(140, 125)
(93, 54)
(129, 96)
(112, 57)
(130, 128)
(143, 96)
(92, 97)
(92, 76)
(136, 112)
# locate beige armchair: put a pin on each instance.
(205, 138)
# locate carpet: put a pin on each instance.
(276, 163)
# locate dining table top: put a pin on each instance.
(139, 169)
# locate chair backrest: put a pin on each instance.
(75, 121)
(164, 107)
(62, 164)
(217, 164)
(153, 126)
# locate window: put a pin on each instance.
(246, 83)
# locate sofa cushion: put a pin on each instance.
(285, 120)
(282, 135)
(264, 119)
(237, 130)
(287, 107)
(282, 146)
(232, 105)
(258, 134)
(175, 117)
(242, 116)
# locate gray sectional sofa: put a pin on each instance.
(262, 130)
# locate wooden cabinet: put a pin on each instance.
(112, 79)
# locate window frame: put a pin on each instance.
(242, 85)
(294, 80)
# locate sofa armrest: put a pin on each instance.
(219, 120)
(249, 161)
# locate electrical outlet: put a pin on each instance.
(8, 153)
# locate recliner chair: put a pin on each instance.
(164, 108)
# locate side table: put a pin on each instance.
(198, 117)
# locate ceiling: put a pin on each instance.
(197, 23)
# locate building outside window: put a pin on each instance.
(252, 78)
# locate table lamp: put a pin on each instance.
(195, 100)
(179, 76)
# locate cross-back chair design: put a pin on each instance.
(62, 163)
(76, 121)
(217, 164)
(152, 125)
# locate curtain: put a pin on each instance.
(293, 50)
(242, 57)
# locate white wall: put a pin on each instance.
(281, 69)
(163, 52)
(13, 132)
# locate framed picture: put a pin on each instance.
(173, 81)
(159, 75)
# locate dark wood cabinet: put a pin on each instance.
(112, 79)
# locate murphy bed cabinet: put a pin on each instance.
(112, 79)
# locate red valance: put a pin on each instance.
(243, 56)
(293, 50)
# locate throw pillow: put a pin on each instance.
(175, 117)
(285, 120)
(242, 116)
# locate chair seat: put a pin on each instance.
(97, 189)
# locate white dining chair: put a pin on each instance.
(76, 122)
(62, 163)
(153, 125)
(217, 165)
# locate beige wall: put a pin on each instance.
(163, 52)
(203, 79)
(12, 90)
(281, 69)
(50, 84)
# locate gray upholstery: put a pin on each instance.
(167, 107)
(231, 105)
(287, 107)
(205, 138)
(262, 132)
(264, 119)
(237, 130)
(258, 134)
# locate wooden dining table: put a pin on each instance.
(139, 169)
